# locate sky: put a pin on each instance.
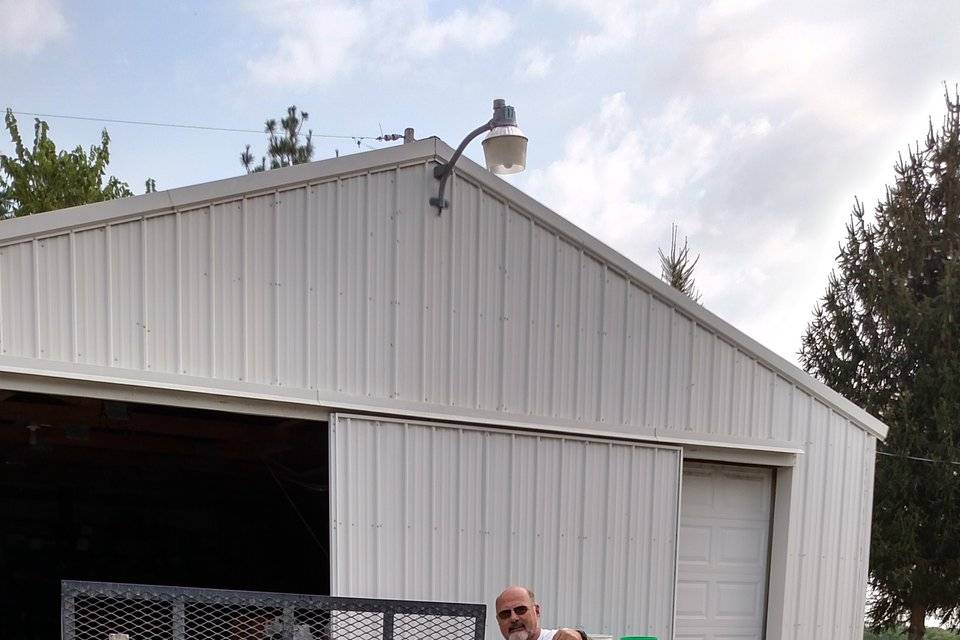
(751, 124)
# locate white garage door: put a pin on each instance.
(723, 550)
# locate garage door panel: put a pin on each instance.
(738, 600)
(742, 546)
(723, 553)
(742, 497)
(692, 600)
(695, 544)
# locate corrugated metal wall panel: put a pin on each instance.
(93, 293)
(657, 363)
(761, 402)
(464, 319)
(381, 284)
(517, 275)
(679, 377)
(702, 372)
(782, 418)
(489, 292)
(352, 272)
(435, 283)
(294, 313)
(54, 295)
(831, 500)
(743, 376)
(162, 304)
(637, 354)
(323, 209)
(864, 524)
(439, 511)
(613, 339)
(354, 286)
(411, 228)
(228, 352)
(566, 334)
(589, 349)
(125, 248)
(18, 323)
(196, 295)
(259, 260)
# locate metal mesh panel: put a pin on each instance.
(106, 611)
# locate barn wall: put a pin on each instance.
(353, 289)
(830, 502)
(441, 512)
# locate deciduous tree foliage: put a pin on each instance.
(887, 335)
(42, 179)
(283, 144)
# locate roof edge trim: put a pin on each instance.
(194, 196)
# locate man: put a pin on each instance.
(518, 615)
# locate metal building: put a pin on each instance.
(502, 398)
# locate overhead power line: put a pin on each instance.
(144, 123)
(916, 458)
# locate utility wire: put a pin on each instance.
(145, 123)
(916, 458)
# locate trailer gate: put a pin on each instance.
(113, 611)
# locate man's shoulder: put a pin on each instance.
(547, 634)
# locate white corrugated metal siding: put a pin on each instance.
(441, 512)
(355, 287)
(829, 547)
(346, 289)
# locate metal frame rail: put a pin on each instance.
(117, 611)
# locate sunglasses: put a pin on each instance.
(520, 611)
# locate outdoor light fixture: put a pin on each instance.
(504, 148)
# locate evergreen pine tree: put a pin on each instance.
(283, 143)
(677, 268)
(887, 335)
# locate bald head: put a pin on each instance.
(515, 591)
(518, 614)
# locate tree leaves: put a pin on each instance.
(41, 179)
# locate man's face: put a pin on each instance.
(518, 616)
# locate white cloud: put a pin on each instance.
(316, 42)
(533, 63)
(472, 31)
(619, 23)
(854, 66)
(716, 13)
(29, 25)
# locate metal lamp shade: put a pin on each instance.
(505, 150)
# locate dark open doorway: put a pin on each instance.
(111, 491)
